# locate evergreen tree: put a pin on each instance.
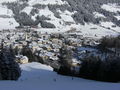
(9, 69)
(65, 60)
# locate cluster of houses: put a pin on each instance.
(44, 45)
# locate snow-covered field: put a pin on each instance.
(6, 17)
(36, 76)
(8, 23)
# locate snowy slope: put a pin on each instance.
(64, 15)
(36, 76)
(2, 1)
(46, 2)
(111, 7)
(6, 17)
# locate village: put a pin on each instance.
(31, 45)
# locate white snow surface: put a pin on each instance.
(6, 17)
(118, 17)
(109, 25)
(111, 7)
(98, 15)
(46, 2)
(27, 9)
(2, 1)
(5, 11)
(36, 76)
(8, 23)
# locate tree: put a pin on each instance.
(65, 56)
(9, 69)
(89, 67)
(65, 61)
(95, 68)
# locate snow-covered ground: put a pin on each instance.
(1, 1)
(97, 15)
(109, 25)
(111, 7)
(36, 76)
(6, 17)
(46, 2)
(95, 31)
(118, 17)
(8, 23)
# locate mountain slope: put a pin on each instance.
(64, 15)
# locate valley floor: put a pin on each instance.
(36, 76)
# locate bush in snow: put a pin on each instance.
(47, 25)
(42, 18)
(39, 6)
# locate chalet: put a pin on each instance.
(19, 46)
(43, 36)
(49, 48)
(22, 59)
(57, 41)
(75, 66)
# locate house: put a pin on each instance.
(40, 41)
(19, 46)
(45, 36)
(57, 41)
(22, 59)
(23, 42)
(54, 58)
(56, 50)
(49, 48)
(75, 66)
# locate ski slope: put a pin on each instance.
(36, 76)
